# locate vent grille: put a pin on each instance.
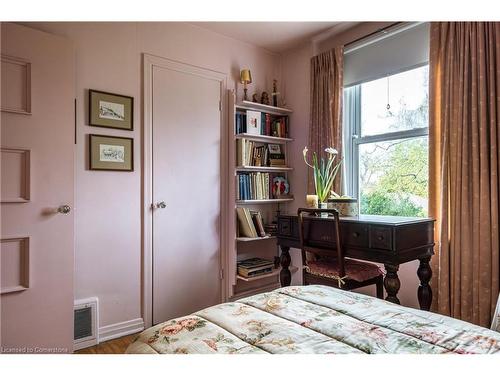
(86, 321)
(83, 323)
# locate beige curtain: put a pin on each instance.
(325, 127)
(464, 167)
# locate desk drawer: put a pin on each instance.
(284, 227)
(380, 237)
(354, 235)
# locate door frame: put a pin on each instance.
(149, 62)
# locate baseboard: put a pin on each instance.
(114, 331)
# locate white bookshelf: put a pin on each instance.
(251, 239)
(245, 104)
(252, 168)
(263, 138)
(272, 274)
(263, 201)
(243, 247)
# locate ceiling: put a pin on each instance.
(275, 36)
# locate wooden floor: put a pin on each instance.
(117, 346)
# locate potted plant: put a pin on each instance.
(324, 171)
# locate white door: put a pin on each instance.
(37, 139)
(186, 132)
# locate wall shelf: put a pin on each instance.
(250, 239)
(275, 272)
(264, 201)
(245, 104)
(263, 138)
(253, 291)
(253, 168)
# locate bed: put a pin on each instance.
(314, 319)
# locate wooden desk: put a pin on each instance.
(383, 239)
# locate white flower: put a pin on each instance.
(304, 151)
(331, 150)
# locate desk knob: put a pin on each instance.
(355, 234)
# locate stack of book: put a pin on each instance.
(250, 223)
(255, 185)
(255, 267)
(271, 228)
(276, 156)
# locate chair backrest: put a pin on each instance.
(334, 226)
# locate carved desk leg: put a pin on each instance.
(424, 274)
(285, 260)
(392, 283)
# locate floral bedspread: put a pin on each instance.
(314, 319)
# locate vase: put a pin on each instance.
(345, 206)
(323, 206)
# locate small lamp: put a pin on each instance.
(245, 78)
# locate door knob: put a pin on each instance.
(161, 204)
(64, 209)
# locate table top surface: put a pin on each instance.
(376, 219)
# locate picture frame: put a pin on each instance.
(254, 122)
(108, 110)
(110, 153)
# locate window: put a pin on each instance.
(386, 125)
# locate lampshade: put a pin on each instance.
(245, 76)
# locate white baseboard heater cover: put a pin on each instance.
(86, 323)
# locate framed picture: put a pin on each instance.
(280, 187)
(253, 122)
(109, 110)
(107, 153)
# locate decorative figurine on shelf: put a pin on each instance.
(275, 93)
(245, 78)
(264, 99)
(255, 98)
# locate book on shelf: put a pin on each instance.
(240, 122)
(254, 267)
(251, 153)
(246, 225)
(261, 123)
(250, 223)
(253, 185)
(258, 223)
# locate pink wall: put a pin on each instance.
(295, 72)
(108, 204)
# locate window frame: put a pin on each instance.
(352, 132)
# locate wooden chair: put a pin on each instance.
(330, 266)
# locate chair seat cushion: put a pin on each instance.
(354, 269)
